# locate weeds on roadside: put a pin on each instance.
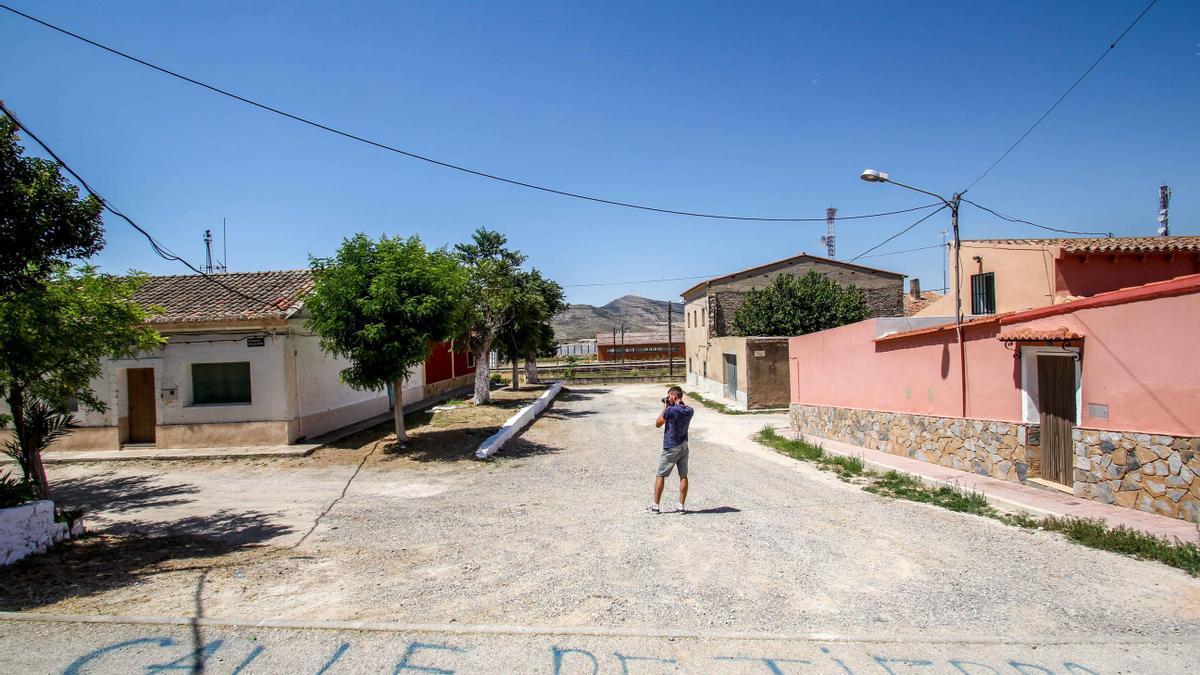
(1088, 532)
(717, 405)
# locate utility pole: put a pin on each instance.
(945, 255)
(670, 344)
(622, 344)
(1164, 200)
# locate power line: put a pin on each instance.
(640, 281)
(909, 250)
(438, 162)
(923, 219)
(161, 250)
(1027, 222)
(1046, 114)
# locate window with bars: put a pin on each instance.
(220, 383)
(983, 293)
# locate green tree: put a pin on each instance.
(493, 288)
(43, 221)
(526, 332)
(381, 305)
(792, 305)
(53, 334)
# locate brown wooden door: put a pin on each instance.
(1056, 402)
(141, 405)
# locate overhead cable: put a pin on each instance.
(923, 219)
(448, 165)
(162, 251)
(1046, 114)
(1027, 222)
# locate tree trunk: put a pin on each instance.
(531, 373)
(31, 458)
(398, 399)
(483, 377)
(515, 382)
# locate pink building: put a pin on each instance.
(1099, 395)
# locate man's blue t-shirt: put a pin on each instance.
(678, 417)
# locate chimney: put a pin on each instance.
(914, 287)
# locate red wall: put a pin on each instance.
(437, 366)
(460, 364)
(1100, 273)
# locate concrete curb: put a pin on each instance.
(593, 631)
(517, 422)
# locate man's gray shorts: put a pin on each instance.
(672, 457)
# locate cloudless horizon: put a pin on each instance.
(762, 109)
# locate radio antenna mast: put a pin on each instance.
(829, 241)
(1164, 200)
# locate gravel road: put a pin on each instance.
(553, 533)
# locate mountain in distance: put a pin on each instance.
(638, 314)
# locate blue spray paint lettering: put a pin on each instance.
(189, 661)
(559, 653)
(342, 649)
(626, 658)
(771, 664)
(77, 665)
(249, 659)
(959, 663)
(1076, 668)
(1020, 668)
(883, 662)
(837, 661)
(415, 647)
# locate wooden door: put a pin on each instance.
(141, 405)
(1056, 403)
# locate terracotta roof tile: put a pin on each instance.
(1102, 245)
(1038, 335)
(913, 305)
(194, 298)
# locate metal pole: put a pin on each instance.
(958, 314)
(670, 345)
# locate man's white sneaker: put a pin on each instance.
(681, 508)
(653, 508)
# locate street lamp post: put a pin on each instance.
(873, 176)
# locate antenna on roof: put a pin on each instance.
(224, 247)
(1164, 200)
(208, 267)
(829, 241)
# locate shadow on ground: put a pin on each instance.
(119, 494)
(715, 509)
(129, 553)
(459, 445)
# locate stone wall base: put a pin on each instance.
(1150, 472)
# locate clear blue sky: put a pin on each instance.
(751, 108)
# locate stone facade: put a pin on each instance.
(1148, 472)
(995, 449)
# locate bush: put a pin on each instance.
(15, 491)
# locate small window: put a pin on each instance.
(220, 383)
(470, 360)
(983, 293)
(703, 316)
(690, 364)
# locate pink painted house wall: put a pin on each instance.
(1141, 358)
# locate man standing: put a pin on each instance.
(676, 416)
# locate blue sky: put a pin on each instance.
(745, 108)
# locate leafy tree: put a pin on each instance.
(53, 334)
(792, 305)
(381, 305)
(42, 219)
(526, 332)
(494, 287)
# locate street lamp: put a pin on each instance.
(873, 176)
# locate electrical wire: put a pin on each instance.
(640, 281)
(438, 162)
(162, 251)
(909, 250)
(923, 219)
(1027, 222)
(1046, 114)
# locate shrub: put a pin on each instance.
(15, 491)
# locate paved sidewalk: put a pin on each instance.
(1037, 501)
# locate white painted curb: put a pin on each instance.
(517, 422)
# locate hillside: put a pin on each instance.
(636, 313)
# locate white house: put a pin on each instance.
(236, 372)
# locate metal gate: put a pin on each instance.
(1056, 403)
